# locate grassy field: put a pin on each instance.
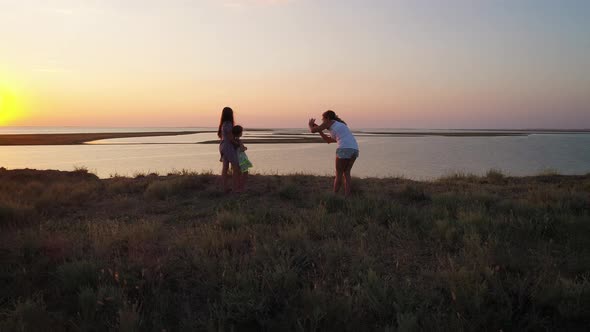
(155, 253)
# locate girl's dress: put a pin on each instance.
(227, 149)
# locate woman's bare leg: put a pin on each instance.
(339, 172)
(348, 177)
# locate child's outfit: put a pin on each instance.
(243, 160)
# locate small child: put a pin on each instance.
(243, 160)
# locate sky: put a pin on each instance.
(377, 63)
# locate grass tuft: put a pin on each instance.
(495, 176)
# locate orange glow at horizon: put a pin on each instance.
(282, 102)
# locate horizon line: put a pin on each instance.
(274, 128)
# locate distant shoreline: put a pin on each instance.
(278, 137)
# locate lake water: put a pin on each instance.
(423, 157)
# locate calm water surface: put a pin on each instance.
(412, 157)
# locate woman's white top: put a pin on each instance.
(340, 132)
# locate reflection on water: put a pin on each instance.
(412, 157)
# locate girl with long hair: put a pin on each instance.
(228, 150)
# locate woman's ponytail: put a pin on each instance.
(331, 115)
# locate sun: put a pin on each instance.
(11, 106)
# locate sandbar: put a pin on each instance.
(80, 138)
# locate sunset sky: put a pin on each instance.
(377, 63)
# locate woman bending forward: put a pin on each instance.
(347, 151)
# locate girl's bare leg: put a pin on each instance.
(236, 175)
(225, 176)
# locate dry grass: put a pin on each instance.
(173, 252)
